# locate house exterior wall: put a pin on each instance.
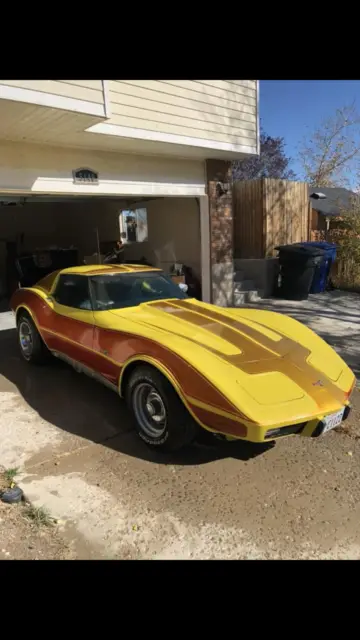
(26, 169)
(193, 115)
(89, 90)
(221, 232)
(215, 111)
(112, 127)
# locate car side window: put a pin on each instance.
(73, 291)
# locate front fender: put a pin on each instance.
(208, 415)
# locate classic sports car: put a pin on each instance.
(182, 364)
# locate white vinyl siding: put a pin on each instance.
(213, 110)
(88, 90)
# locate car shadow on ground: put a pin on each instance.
(82, 407)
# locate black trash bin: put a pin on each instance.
(297, 269)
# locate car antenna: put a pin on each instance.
(98, 245)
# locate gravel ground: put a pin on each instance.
(22, 538)
(298, 499)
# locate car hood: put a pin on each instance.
(212, 328)
(274, 359)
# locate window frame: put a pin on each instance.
(61, 278)
(123, 225)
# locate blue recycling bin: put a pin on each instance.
(322, 272)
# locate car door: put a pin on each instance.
(71, 329)
(109, 345)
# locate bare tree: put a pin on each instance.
(332, 153)
(271, 163)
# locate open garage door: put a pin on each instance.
(59, 231)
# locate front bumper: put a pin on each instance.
(320, 425)
(311, 429)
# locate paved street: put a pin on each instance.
(335, 315)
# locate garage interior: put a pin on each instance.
(167, 232)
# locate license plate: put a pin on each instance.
(333, 420)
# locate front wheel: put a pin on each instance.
(32, 348)
(160, 418)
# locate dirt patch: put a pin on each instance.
(26, 534)
(351, 426)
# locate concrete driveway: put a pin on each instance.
(334, 315)
(80, 459)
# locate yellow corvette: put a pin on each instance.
(182, 364)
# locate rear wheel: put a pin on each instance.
(32, 347)
(160, 418)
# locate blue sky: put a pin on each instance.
(291, 108)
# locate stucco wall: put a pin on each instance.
(30, 168)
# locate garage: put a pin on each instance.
(158, 231)
(61, 205)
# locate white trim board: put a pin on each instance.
(106, 94)
(65, 186)
(18, 94)
(116, 130)
(205, 248)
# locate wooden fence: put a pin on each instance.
(268, 213)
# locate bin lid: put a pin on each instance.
(321, 244)
(298, 250)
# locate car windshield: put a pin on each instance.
(131, 289)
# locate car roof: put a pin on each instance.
(97, 269)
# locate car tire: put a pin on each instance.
(31, 345)
(160, 418)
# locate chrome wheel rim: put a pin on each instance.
(25, 338)
(150, 410)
